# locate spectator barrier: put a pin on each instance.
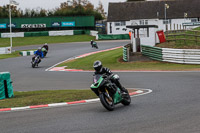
(183, 56)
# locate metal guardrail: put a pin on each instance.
(154, 53)
(125, 53)
(183, 56)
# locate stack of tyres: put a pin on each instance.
(6, 88)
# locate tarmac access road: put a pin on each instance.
(172, 107)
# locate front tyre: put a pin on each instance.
(107, 102)
(33, 65)
(126, 100)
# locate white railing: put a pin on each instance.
(5, 50)
(184, 56)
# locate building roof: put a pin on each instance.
(127, 11)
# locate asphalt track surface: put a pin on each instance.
(172, 107)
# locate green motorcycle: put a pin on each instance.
(108, 92)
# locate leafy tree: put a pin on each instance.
(73, 8)
(135, 0)
(100, 9)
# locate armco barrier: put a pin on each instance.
(49, 33)
(113, 37)
(26, 53)
(6, 89)
(125, 54)
(5, 50)
(183, 56)
(154, 53)
(61, 33)
(78, 32)
(17, 34)
(31, 34)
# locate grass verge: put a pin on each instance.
(22, 99)
(111, 59)
(12, 55)
(183, 41)
(24, 41)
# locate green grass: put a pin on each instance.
(12, 55)
(112, 59)
(22, 99)
(181, 44)
(24, 41)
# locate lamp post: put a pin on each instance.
(11, 2)
(166, 7)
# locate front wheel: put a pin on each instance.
(126, 98)
(107, 101)
(33, 65)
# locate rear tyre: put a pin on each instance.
(107, 102)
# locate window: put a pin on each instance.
(193, 19)
(168, 21)
(122, 23)
(117, 23)
(143, 22)
(146, 22)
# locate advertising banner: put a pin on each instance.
(100, 25)
(2, 26)
(56, 24)
(13, 25)
(68, 24)
(33, 26)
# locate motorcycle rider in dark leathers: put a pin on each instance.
(46, 46)
(99, 69)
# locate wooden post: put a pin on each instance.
(170, 26)
(175, 38)
(185, 38)
(174, 26)
(196, 37)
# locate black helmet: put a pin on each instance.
(97, 66)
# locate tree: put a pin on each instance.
(100, 9)
(68, 8)
(134, 0)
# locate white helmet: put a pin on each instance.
(39, 48)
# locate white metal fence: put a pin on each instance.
(185, 56)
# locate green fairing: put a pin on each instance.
(99, 82)
(117, 97)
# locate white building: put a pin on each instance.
(168, 15)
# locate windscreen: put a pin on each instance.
(96, 77)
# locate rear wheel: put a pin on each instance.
(107, 101)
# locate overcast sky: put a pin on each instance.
(51, 4)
